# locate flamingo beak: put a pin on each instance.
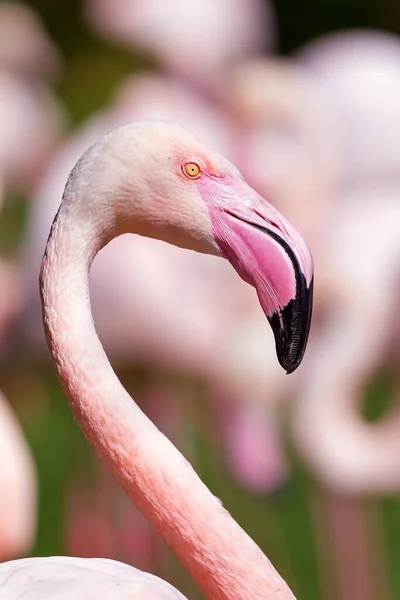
(268, 253)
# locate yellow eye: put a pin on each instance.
(191, 169)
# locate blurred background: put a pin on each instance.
(305, 99)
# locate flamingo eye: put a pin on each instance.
(191, 169)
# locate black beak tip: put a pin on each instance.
(291, 368)
(291, 326)
(288, 364)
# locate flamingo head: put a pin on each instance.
(171, 186)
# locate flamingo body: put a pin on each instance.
(67, 578)
(17, 487)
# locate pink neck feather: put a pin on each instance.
(222, 559)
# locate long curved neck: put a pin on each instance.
(222, 559)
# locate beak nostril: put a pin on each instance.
(275, 225)
(270, 222)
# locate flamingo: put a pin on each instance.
(18, 491)
(17, 487)
(360, 71)
(156, 179)
(348, 454)
(30, 117)
(34, 55)
(30, 122)
(199, 43)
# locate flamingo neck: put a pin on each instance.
(225, 563)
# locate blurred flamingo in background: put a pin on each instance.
(359, 71)
(17, 487)
(348, 454)
(361, 74)
(30, 126)
(34, 56)
(203, 204)
(359, 257)
(31, 119)
(198, 43)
